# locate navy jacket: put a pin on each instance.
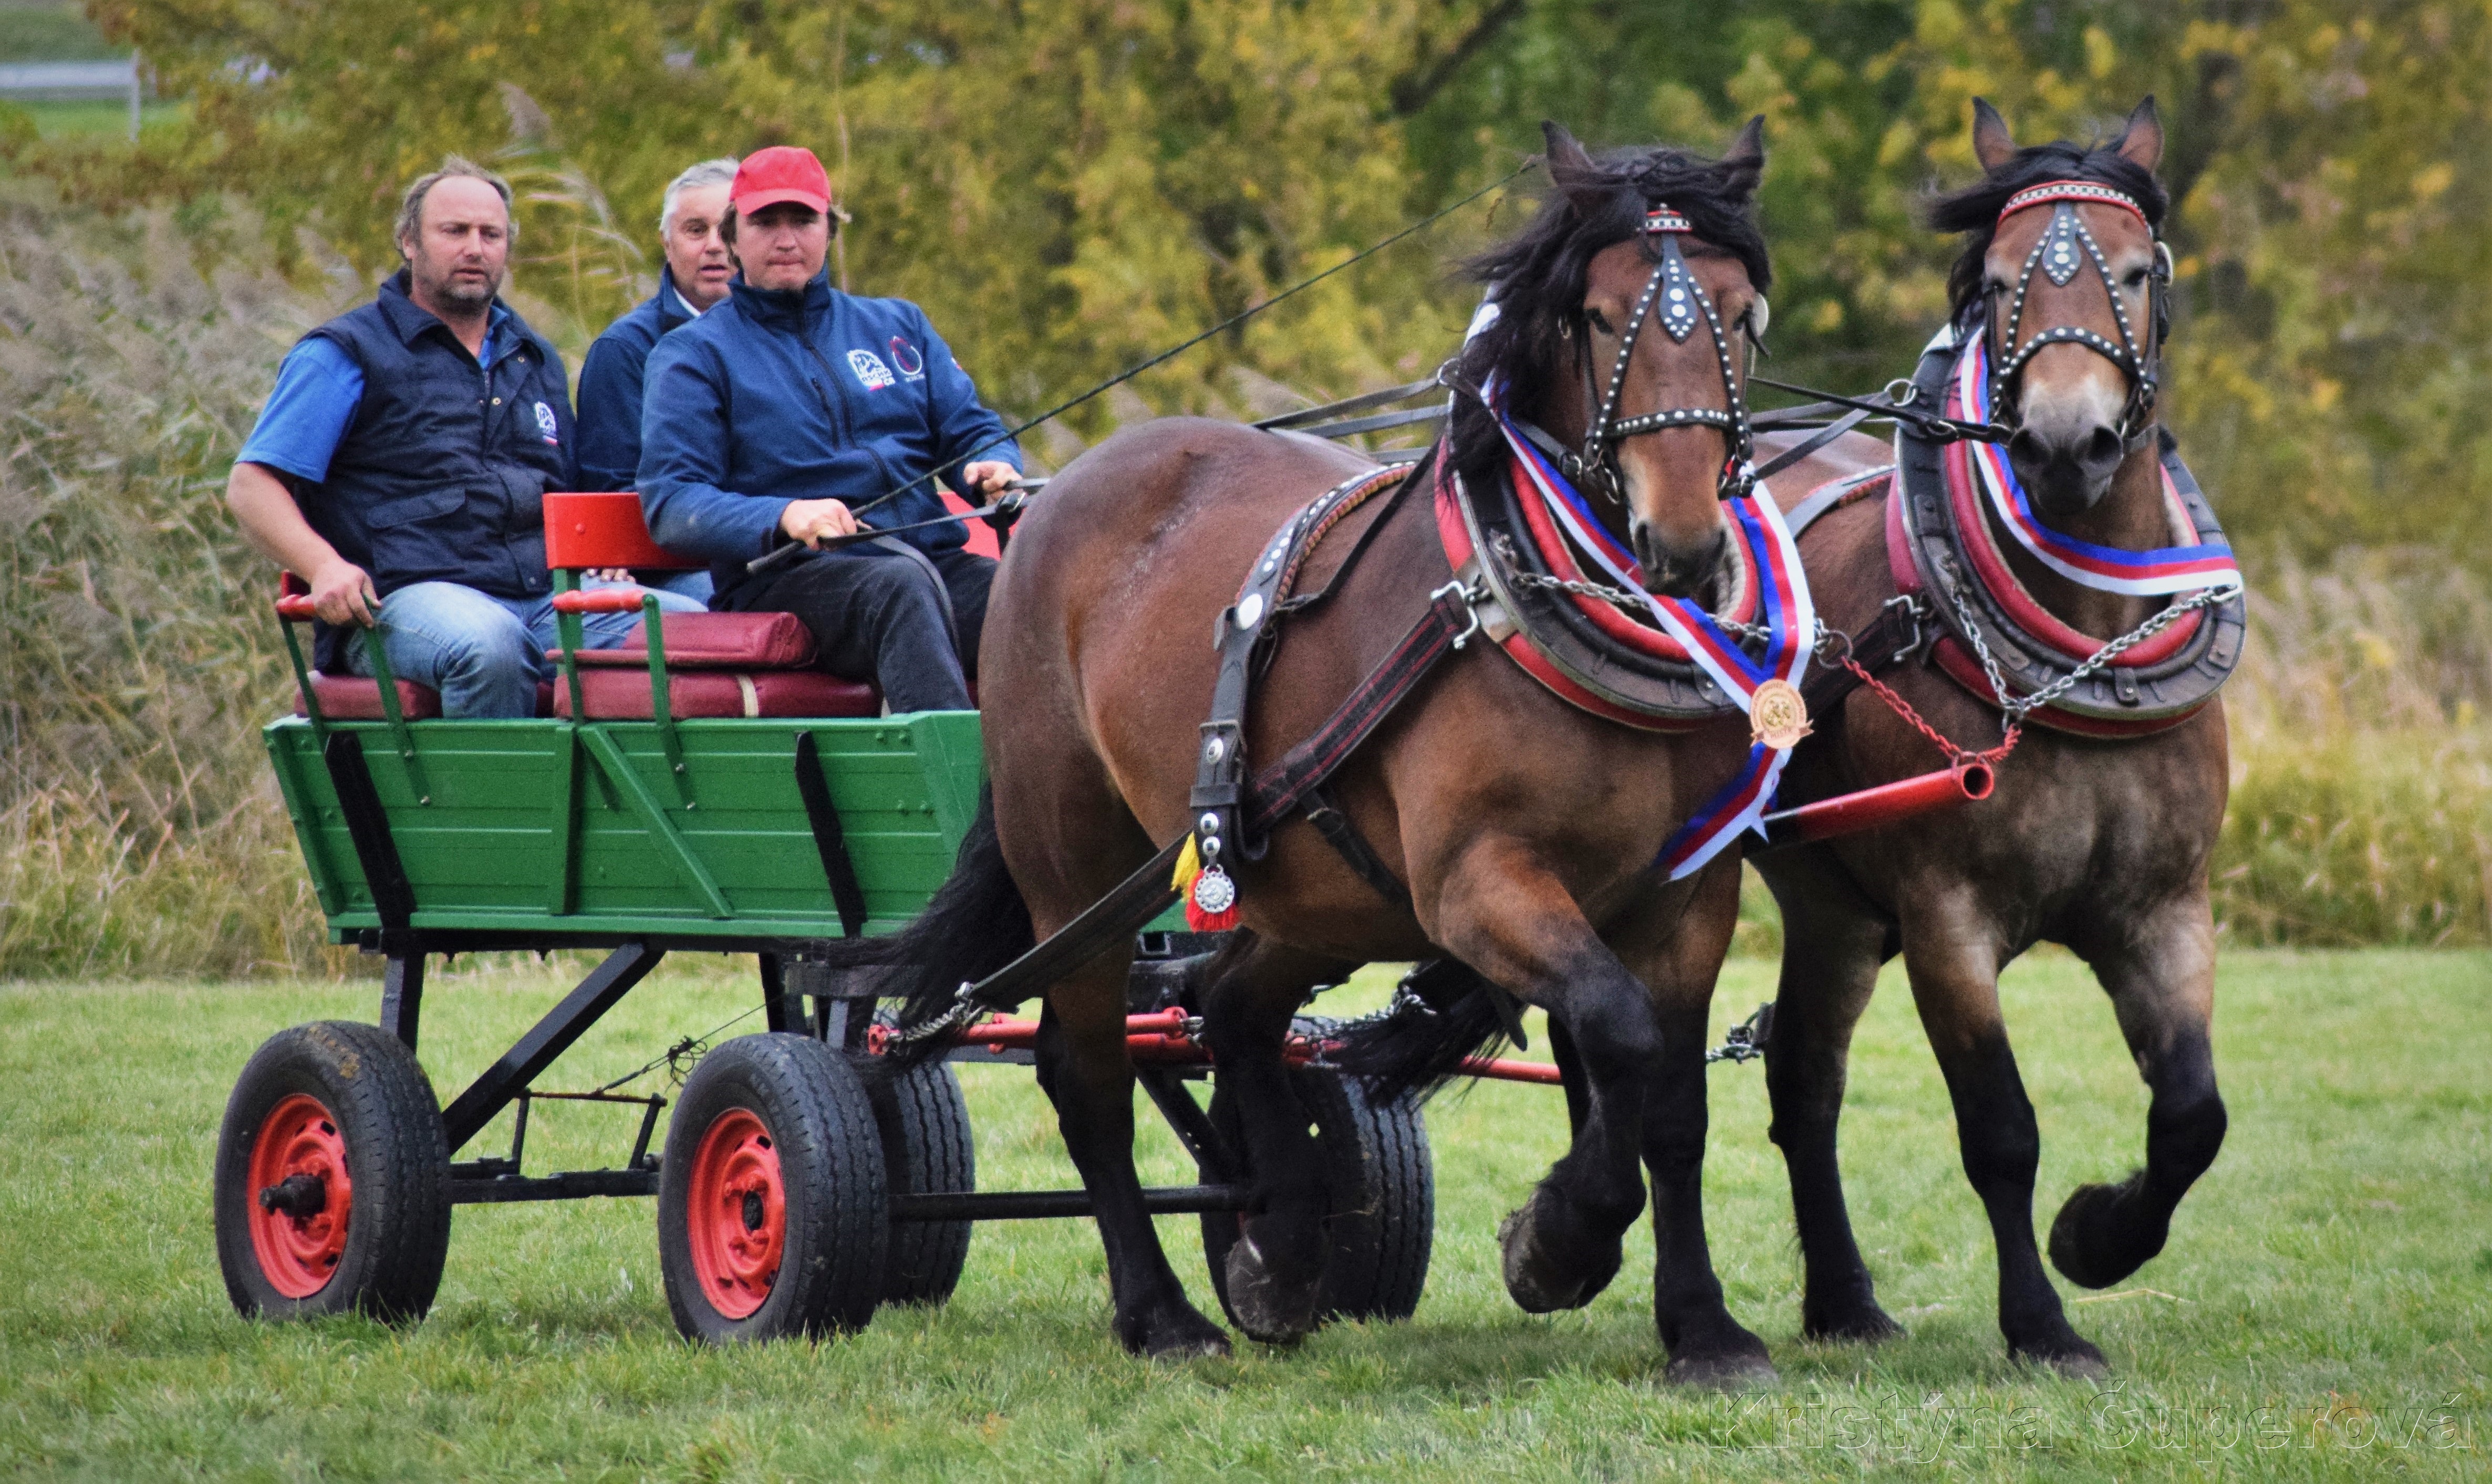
(442, 475)
(811, 394)
(609, 386)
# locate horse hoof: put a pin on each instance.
(1268, 1309)
(1535, 1278)
(1733, 1371)
(2098, 1239)
(1182, 1335)
(2073, 1357)
(1862, 1323)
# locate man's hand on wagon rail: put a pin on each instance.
(341, 593)
(812, 520)
(988, 477)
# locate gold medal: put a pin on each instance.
(1777, 717)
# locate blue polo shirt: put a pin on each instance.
(318, 390)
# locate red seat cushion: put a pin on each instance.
(715, 641)
(623, 695)
(356, 698)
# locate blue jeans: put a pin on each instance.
(486, 654)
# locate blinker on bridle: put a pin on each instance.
(1673, 295)
(2055, 254)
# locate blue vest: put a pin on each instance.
(442, 475)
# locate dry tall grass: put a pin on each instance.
(140, 830)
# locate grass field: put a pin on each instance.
(2325, 1308)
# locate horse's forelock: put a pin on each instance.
(1973, 211)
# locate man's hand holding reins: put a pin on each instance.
(811, 521)
(986, 477)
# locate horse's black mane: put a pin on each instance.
(1974, 210)
(1537, 275)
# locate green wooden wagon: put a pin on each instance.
(667, 805)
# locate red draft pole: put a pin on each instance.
(1874, 808)
(1164, 1036)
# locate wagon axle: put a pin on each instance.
(300, 1196)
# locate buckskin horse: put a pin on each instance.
(1486, 821)
(2076, 591)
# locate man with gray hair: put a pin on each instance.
(401, 465)
(695, 275)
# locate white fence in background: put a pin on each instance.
(74, 82)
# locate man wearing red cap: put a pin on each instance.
(791, 408)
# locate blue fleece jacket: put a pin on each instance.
(812, 394)
(611, 382)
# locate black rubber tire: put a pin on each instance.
(926, 1149)
(821, 1127)
(1383, 1196)
(397, 1155)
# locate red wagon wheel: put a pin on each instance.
(302, 1195)
(333, 1177)
(772, 1219)
(736, 1213)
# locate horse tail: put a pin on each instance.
(1448, 1015)
(976, 924)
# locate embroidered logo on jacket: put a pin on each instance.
(870, 369)
(546, 426)
(905, 356)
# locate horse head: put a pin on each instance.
(1622, 310)
(2071, 275)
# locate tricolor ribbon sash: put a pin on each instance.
(1784, 607)
(2104, 569)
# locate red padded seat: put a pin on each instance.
(715, 641)
(358, 698)
(623, 695)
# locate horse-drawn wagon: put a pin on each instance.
(701, 791)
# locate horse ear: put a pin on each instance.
(1990, 142)
(1745, 158)
(1571, 169)
(2140, 143)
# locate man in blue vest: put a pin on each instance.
(400, 467)
(789, 408)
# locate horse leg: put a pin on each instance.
(1503, 913)
(2162, 986)
(1706, 1346)
(1832, 951)
(1087, 1075)
(1254, 987)
(1955, 984)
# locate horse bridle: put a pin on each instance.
(1681, 299)
(2055, 254)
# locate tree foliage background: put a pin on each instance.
(1072, 184)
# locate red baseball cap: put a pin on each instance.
(782, 172)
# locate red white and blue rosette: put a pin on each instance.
(2104, 569)
(1784, 608)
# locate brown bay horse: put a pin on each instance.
(1525, 829)
(2100, 845)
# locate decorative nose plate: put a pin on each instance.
(1678, 298)
(2060, 247)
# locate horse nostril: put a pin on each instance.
(2104, 450)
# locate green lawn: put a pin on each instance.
(2329, 1283)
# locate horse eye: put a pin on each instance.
(1597, 320)
(2136, 277)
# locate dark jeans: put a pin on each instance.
(877, 618)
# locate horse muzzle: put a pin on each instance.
(1677, 570)
(2068, 469)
